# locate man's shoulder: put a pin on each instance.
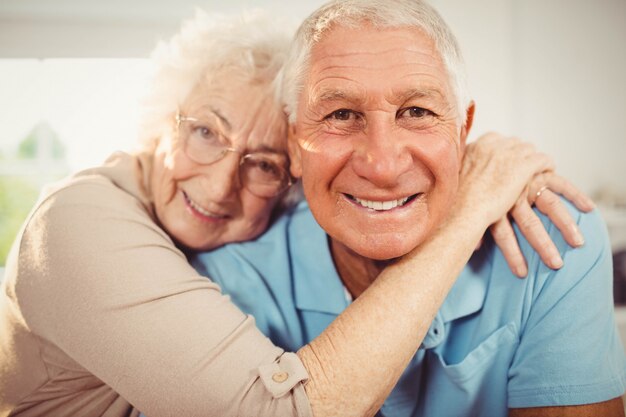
(591, 224)
(587, 267)
(564, 314)
(576, 260)
(585, 277)
(290, 227)
(267, 254)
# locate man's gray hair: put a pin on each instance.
(208, 46)
(379, 13)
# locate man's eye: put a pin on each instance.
(344, 121)
(341, 114)
(418, 112)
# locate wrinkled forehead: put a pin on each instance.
(405, 59)
(243, 108)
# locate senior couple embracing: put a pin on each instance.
(370, 296)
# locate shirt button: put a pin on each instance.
(280, 376)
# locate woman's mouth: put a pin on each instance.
(199, 211)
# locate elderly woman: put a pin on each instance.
(100, 312)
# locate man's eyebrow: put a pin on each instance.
(418, 93)
(333, 95)
(411, 94)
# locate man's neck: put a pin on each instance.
(356, 271)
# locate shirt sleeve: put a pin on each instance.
(569, 351)
(107, 286)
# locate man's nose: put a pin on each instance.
(221, 178)
(381, 157)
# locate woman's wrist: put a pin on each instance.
(468, 223)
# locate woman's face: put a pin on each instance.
(204, 206)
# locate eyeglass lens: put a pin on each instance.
(263, 174)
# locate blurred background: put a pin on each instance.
(551, 72)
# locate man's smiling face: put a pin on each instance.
(376, 139)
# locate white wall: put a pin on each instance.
(569, 85)
(485, 33)
(111, 28)
(551, 72)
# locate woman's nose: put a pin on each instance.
(221, 179)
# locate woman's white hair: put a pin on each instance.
(379, 13)
(253, 45)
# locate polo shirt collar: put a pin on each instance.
(468, 293)
(317, 284)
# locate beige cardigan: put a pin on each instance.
(101, 315)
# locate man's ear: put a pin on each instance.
(294, 149)
(467, 126)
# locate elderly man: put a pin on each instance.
(379, 119)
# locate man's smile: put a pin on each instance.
(383, 205)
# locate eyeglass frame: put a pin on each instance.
(180, 118)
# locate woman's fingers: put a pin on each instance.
(504, 237)
(543, 193)
(535, 233)
(560, 185)
(551, 205)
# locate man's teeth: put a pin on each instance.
(382, 205)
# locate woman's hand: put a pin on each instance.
(543, 192)
(495, 171)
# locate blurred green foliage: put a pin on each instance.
(17, 197)
(19, 192)
(28, 146)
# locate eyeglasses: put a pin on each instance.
(264, 174)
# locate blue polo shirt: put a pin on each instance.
(497, 341)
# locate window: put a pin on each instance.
(59, 116)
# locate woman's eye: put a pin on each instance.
(269, 168)
(203, 135)
(263, 170)
(204, 132)
(418, 112)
